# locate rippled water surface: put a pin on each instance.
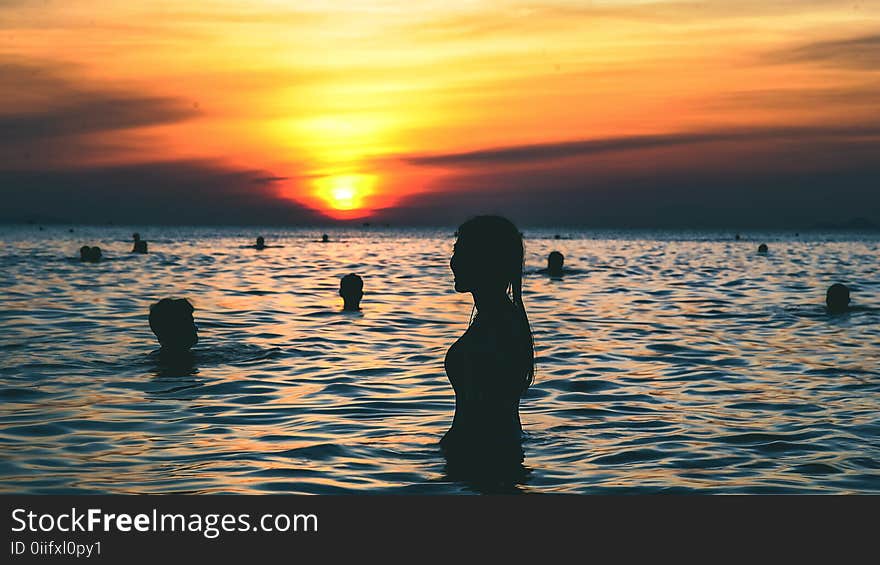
(666, 362)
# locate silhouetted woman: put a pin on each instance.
(492, 365)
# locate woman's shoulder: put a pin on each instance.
(504, 322)
(495, 334)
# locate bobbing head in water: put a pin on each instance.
(762, 248)
(554, 263)
(172, 321)
(261, 243)
(837, 298)
(140, 246)
(351, 289)
(90, 254)
(487, 261)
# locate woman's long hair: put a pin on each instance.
(500, 246)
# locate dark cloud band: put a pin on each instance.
(524, 154)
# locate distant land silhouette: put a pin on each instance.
(861, 224)
(855, 224)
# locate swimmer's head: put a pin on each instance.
(762, 248)
(261, 242)
(171, 319)
(325, 238)
(837, 298)
(84, 253)
(136, 236)
(351, 289)
(554, 263)
(95, 254)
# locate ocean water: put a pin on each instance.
(667, 362)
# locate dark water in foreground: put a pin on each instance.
(671, 362)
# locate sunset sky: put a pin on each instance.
(605, 113)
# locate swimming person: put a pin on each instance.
(261, 243)
(556, 267)
(90, 254)
(555, 261)
(171, 319)
(492, 364)
(325, 238)
(837, 298)
(351, 289)
(762, 249)
(140, 246)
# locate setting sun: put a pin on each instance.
(345, 193)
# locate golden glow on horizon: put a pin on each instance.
(333, 90)
(345, 193)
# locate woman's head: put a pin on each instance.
(488, 255)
